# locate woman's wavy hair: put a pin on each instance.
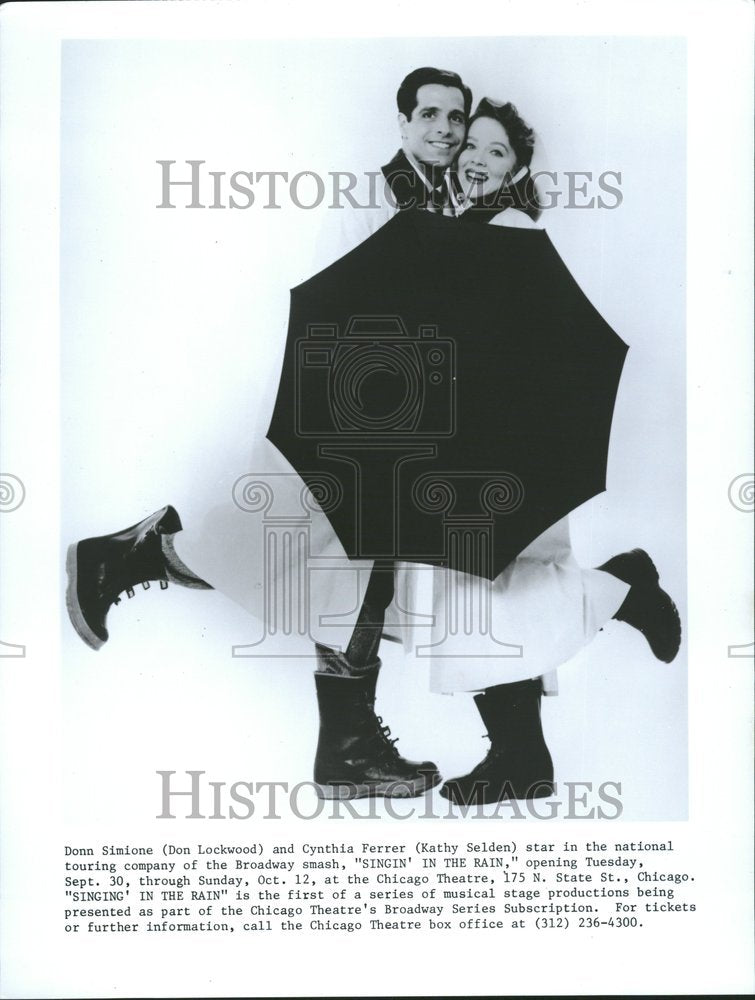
(521, 136)
(523, 194)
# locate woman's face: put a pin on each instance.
(486, 158)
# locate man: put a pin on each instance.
(353, 758)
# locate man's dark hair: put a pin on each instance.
(406, 98)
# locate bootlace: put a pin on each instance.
(129, 591)
(383, 735)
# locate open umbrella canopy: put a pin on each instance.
(447, 393)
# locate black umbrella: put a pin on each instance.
(447, 392)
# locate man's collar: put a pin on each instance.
(402, 160)
(402, 173)
(422, 171)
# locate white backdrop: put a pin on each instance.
(173, 322)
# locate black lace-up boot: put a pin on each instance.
(518, 764)
(356, 756)
(646, 607)
(100, 569)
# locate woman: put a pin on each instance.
(544, 605)
(494, 168)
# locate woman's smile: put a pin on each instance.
(487, 160)
(475, 176)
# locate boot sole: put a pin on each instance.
(382, 789)
(75, 613)
(538, 790)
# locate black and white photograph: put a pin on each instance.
(375, 495)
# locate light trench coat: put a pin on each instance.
(269, 547)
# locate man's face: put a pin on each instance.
(435, 132)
